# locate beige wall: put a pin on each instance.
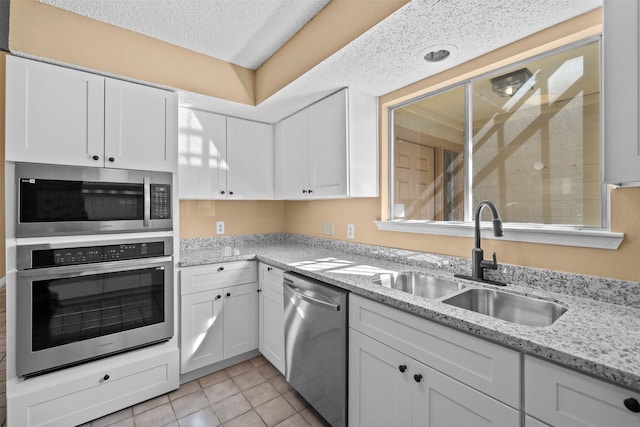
(48, 32)
(198, 217)
(306, 217)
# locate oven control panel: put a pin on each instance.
(90, 254)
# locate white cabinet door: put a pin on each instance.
(328, 146)
(240, 319)
(54, 114)
(621, 96)
(388, 388)
(379, 393)
(329, 149)
(202, 155)
(140, 127)
(292, 160)
(249, 160)
(201, 329)
(564, 398)
(440, 401)
(271, 316)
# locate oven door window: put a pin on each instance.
(75, 309)
(47, 200)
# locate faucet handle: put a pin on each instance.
(490, 265)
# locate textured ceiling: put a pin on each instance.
(386, 58)
(243, 32)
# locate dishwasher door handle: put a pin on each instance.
(315, 301)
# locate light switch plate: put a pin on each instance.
(220, 227)
(351, 231)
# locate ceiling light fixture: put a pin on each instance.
(507, 85)
(435, 53)
(437, 56)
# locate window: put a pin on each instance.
(526, 137)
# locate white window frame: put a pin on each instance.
(581, 236)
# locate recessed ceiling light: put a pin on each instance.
(436, 53)
(437, 56)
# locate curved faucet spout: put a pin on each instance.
(497, 222)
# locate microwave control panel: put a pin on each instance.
(160, 201)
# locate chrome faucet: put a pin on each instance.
(479, 264)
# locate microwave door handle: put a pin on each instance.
(147, 201)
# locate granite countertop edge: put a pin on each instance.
(592, 337)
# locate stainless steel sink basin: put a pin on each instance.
(420, 284)
(512, 308)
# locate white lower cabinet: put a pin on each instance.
(219, 320)
(86, 392)
(271, 313)
(407, 371)
(562, 397)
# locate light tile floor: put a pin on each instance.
(251, 393)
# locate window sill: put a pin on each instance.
(564, 236)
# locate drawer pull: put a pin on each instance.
(96, 157)
(228, 294)
(221, 268)
(218, 296)
(402, 368)
(417, 377)
(632, 404)
(106, 377)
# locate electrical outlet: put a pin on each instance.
(220, 227)
(327, 228)
(351, 231)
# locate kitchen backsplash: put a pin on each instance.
(612, 291)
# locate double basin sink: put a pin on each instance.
(501, 305)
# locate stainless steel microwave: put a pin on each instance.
(67, 200)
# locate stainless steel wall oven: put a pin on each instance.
(80, 302)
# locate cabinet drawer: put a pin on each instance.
(562, 397)
(93, 390)
(216, 276)
(487, 367)
(271, 277)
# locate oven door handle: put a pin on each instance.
(147, 201)
(96, 268)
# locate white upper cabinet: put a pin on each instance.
(140, 129)
(224, 158)
(329, 149)
(328, 152)
(53, 114)
(249, 160)
(202, 145)
(292, 177)
(63, 116)
(621, 91)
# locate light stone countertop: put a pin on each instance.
(593, 337)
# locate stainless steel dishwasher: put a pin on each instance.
(315, 324)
